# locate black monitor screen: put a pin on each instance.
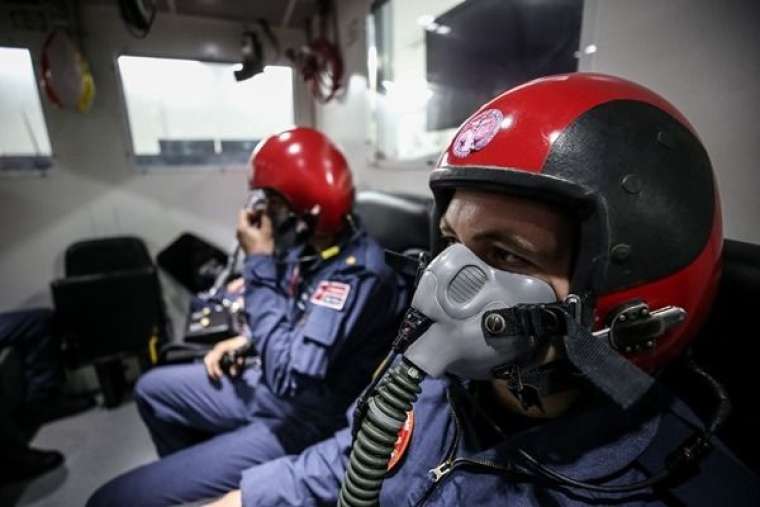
(493, 45)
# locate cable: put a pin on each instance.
(568, 481)
(688, 454)
(725, 406)
(138, 18)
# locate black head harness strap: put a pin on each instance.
(585, 353)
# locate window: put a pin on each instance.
(24, 142)
(433, 62)
(188, 112)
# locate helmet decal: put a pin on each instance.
(477, 132)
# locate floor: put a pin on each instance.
(98, 444)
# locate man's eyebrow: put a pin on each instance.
(513, 241)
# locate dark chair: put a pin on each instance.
(399, 222)
(109, 305)
(192, 262)
(106, 255)
(728, 347)
(12, 381)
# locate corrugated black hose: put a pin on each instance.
(385, 415)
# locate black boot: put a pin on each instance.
(23, 463)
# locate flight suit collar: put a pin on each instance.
(350, 243)
(593, 441)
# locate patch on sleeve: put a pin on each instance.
(402, 441)
(331, 294)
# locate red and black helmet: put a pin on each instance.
(308, 170)
(632, 170)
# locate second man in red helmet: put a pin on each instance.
(321, 307)
(580, 251)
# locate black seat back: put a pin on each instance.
(399, 222)
(110, 300)
(728, 347)
(106, 255)
(193, 262)
(103, 315)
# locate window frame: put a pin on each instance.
(425, 164)
(36, 166)
(218, 165)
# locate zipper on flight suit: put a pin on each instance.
(450, 463)
(437, 473)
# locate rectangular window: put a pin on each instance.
(189, 112)
(433, 62)
(24, 142)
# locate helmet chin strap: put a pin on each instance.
(591, 356)
(304, 232)
(288, 233)
(530, 385)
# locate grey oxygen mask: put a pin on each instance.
(288, 229)
(454, 293)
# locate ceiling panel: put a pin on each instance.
(245, 11)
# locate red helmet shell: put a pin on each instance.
(306, 168)
(632, 169)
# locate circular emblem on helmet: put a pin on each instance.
(477, 132)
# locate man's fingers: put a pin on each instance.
(231, 499)
(265, 225)
(236, 285)
(207, 364)
(243, 219)
(212, 365)
(218, 373)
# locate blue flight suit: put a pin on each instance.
(320, 328)
(29, 333)
(593, 442)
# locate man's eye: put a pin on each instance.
(507, 260)
(448, 241)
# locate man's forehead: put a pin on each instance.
(529, 224)
(486, 230)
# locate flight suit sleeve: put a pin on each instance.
(309, 479)
(295, 353)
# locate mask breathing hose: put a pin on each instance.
(386, 413)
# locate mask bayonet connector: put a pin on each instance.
(634, 328)
(413, 326)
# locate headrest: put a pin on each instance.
(728, 347)
(399, 222)
(106, 255)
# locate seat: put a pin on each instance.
(728, 348)
(109, 305)
(106, 255)
(12, 381)
(399, 222)
(192, 262)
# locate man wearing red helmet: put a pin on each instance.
(321, 308)
(581, 240)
